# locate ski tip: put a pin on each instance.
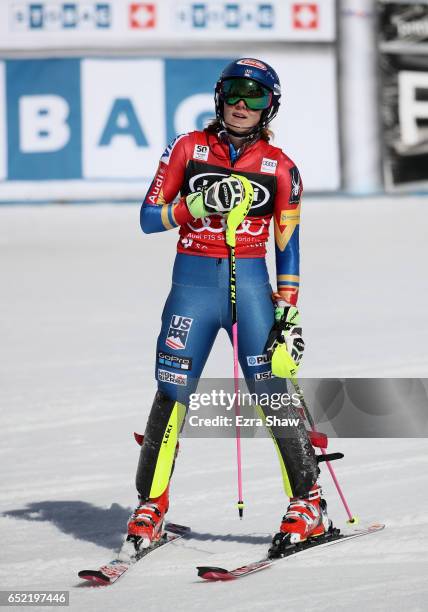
(214, 573)
(94, 576)
(177, 529)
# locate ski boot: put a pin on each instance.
(305, 520)
(146, 522)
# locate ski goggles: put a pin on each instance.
(255, 96)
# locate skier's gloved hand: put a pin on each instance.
(218, 199)
(286, 329)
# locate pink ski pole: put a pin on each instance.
(352, 519)
(240, 503)
(235, 218)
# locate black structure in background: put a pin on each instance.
(403, 44)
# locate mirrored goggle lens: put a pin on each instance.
(253, 103)
(255, 96)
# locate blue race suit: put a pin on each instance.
(198, 305)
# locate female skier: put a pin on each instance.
(204, 169)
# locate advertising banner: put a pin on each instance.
(121, 23)
(403, 34)
(74, 128)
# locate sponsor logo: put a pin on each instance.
(255, 360)
(205, 179)
(289, 216)
(219, 226)
(252, 62)
(305, 16)
(268, 165)
(201, 152)
(294, 316)
(228, 16)
(174, 361)
(142, 16)
(65, 16)
(166, 155)
(156, 186)
(178, 332)
(186, 242)
(199, 181)
(55, 132)
(224, 197)
(411, 29)
(263, 375)
(296, 186)
(172, 377)
(297, 350)
(167, 433)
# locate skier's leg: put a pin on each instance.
(190, 322)
(160, 446)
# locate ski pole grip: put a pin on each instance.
(238, 214)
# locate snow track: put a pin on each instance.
(80, 301)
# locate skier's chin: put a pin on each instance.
(239, 128)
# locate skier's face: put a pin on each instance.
(239, 117)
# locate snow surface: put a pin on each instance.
(80, 299)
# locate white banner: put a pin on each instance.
(306, 127)
(53, 24)
(125, 127)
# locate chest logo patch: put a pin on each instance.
(296, 186)
(268, 165)
(201, 152)
(178, 332)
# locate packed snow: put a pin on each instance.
(81, 294)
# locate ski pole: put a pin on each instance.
(235, 218)
(352, 519)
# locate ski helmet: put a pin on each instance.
(259, 73)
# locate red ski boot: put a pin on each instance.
(306, 517)
(145, 523)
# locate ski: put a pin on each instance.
(332, 537)
(127, 557)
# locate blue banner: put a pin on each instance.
(100, 118)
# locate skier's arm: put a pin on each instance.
(286, 221)
(160, 211)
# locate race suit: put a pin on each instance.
(198, 305)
